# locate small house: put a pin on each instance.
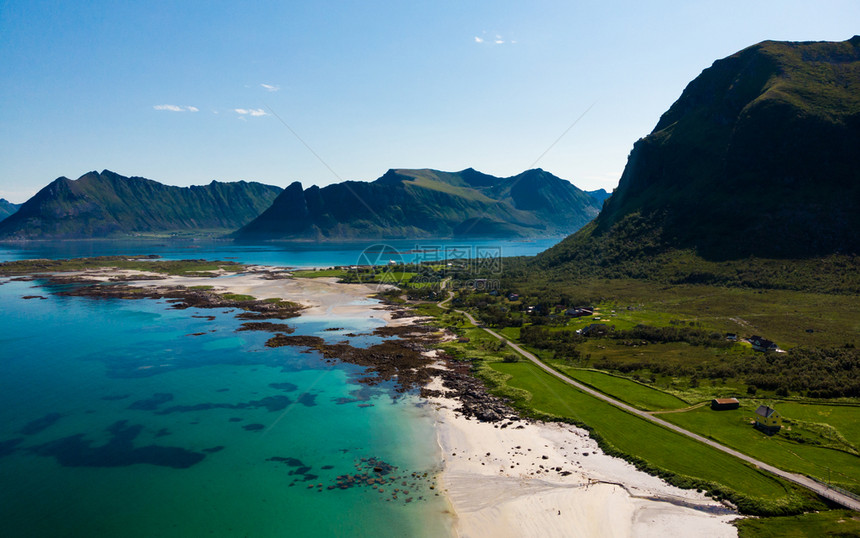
(724, 404)
(595, 329)
(463, 340)
(731, 337)
(762, 344)
(578, 312)
(767, 419)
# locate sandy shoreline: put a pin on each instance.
(547, 479)
(526, 479)
(320, 296)
(323, 296)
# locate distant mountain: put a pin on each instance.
(427, 203)
(111, 205)
(7, 208)
(760, 156)
(600, 195)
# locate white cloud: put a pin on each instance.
(270, 87)
(497, 40)
(255, 112)
(176, 108)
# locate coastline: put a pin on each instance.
(508, 478)
(527, 478)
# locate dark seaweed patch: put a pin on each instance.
(362, 394)
(271, 403)
(10, 446)
(75, 451)
(214, 449)
(162, 432)
(307, 399)
(292, 462)
(286, 387)
(301, 469)
(36, 426)
(111, 398)
(152, 403)
(253, 427)
(236, 419)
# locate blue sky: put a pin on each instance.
(188, 92)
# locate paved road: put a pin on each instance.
(821, 489)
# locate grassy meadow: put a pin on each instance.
(678, 376)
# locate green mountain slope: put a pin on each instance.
(7, 208)
(760, 156)
(110, 205)
(427, 203)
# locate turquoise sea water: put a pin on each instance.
(129, 418)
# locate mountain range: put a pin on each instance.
(427, 203)
(106, 204)
(402, 203)
(7, 208)
(760, 156)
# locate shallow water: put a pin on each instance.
(115, 420)
(129, 418)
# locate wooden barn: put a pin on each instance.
(724, 404)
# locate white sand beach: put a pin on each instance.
(506, 482)
(320, 296)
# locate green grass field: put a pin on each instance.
(626, 390)
(631, 435)
(844, 418)
(511, 333)
(428, 309)
(733, 429)
(336, 273)
(841, 523)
